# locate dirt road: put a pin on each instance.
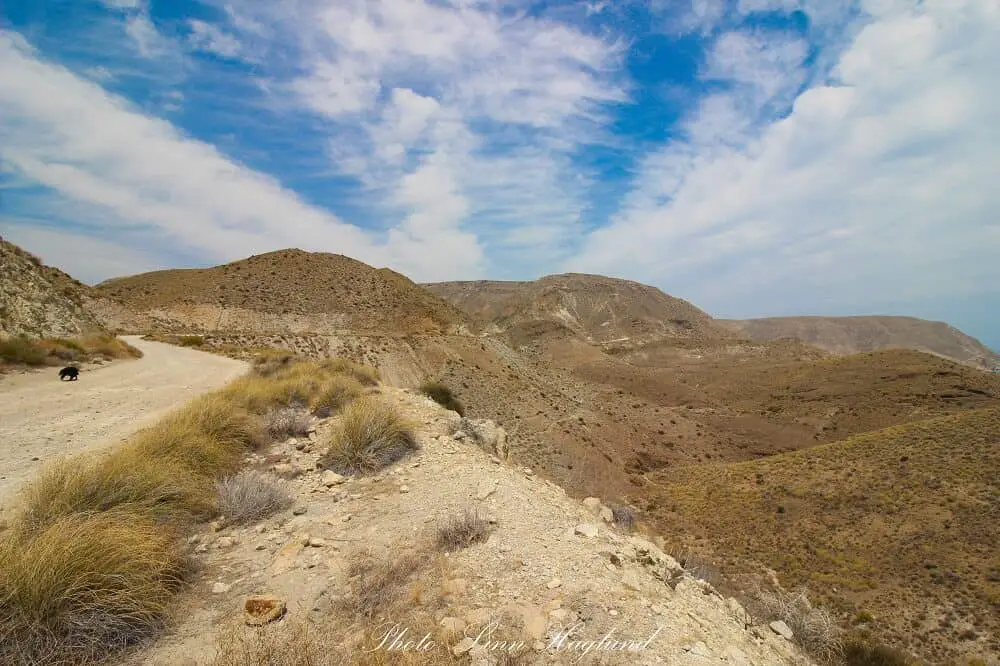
(42, 418)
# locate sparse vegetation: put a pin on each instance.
(462, 530)
(862, 652)
(38, 352)
(378, 583)
(369, 437)
(191, 341)
(814, 629)
(443, 396)
(22, 351)
(250, 496)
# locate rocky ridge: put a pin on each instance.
(552, 566)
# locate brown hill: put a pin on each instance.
(849, 335)
(288, 291)
(897, 529)
(38, 300)
(599, 309)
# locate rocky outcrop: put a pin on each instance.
(39, 301)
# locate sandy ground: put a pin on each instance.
(42, 418)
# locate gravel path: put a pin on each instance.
(42, 418)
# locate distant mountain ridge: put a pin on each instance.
(599, 309)
(862, 333)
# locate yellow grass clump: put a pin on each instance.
(367, 375)
(335, 394)
(85, 587)
(127, 478)
(370, 436)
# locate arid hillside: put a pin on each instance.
(598, 309)
(288, 291)
(849, 335)
(896, 529)
(40, 301)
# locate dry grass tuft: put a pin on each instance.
(270, 361)
(370, 436)
(21, 350)
(126, 479)
(286, 422)
(814, 629)
(210, 435)
(300, 643)
(251, 496)
(85, 588)
(443, 396)
(284, 644)
(462, 530)
(378, 583)
(366, 375)
(337, 392)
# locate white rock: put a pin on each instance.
(607, 515)
(782, 629)
(593, 504)
(330, 478)
(554, 583)
(220, 588)
(587, 529)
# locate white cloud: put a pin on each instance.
(207, 37)
(122, 4)
(460, 98)
(85, 257)
(71, 136)
(148, 40)
(880, 185)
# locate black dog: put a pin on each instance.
(70, 372)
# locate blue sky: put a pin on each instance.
(756, 157)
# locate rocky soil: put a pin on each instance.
(554, 567)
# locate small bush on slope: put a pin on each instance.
(369, 437)
(251, 496)
(443, 396)
(85, 587)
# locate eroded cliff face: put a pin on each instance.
(40, 301)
